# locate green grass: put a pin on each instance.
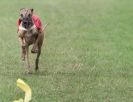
(87, 54)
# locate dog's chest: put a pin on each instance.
(30, 38)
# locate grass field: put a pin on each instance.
(87, 54)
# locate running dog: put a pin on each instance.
(30, 32)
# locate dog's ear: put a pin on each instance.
(20, 11)
(32, 10)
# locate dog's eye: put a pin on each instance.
(21, 15)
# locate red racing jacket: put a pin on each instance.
(36, 20)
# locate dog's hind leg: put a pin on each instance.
(39, 51)
(37, 59)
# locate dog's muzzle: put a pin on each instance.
(26, 24)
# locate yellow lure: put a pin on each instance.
(25, 87)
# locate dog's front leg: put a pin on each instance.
(28, 62)
(21, 41)
(35, 46)
(22, 45)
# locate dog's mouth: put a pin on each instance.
(27, 24)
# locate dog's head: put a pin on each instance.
(26, 17)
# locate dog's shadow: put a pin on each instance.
(15, 74)
(49, 73)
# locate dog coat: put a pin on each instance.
(36, 20)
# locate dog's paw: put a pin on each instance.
(34, 50)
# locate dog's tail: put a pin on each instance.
(45, 27)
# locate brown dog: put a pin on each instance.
(30, 32)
